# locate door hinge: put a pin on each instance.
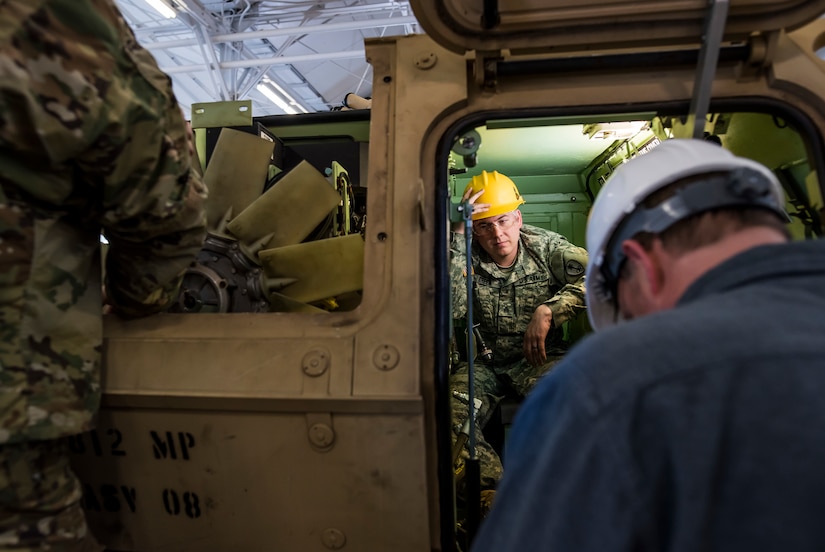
(485, 70)
(762, 49)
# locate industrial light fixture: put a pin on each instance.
(163, 8)
(275, 98)
(289, 99)
(279, 96)
(613, 131)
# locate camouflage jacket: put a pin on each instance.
(91, 140)
(548, 270)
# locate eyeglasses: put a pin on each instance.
(488, 227)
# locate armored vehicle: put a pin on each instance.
(296, 400)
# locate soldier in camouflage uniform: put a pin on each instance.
(527, 282)
(91, 140)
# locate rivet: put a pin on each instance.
(333, 539)
(386, 357)
(321, 435)
(426, 60)
(315, 362)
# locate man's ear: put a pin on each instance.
(647, 262)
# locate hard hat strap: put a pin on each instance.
(741, 187)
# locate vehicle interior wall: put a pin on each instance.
(545, 159)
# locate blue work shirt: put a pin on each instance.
(695, 429)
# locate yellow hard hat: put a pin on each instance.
(499, 192)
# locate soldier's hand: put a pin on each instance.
(458, 227)
(535, 335)
(471, 199)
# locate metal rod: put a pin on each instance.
(214, 67)
(706, 68)
(468, 236)
(259, 62)
(611, 63)
(472, 466)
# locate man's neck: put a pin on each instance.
(690, 266)
(508, 261)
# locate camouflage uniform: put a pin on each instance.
(91, 139)
(548, 270)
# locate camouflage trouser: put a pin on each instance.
(491, 385)
(40, 500)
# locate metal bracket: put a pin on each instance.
(485, 70)
(706, 67)
(222, 114)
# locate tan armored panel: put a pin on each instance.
(226, 478)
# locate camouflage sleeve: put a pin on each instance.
(567, 264)
(153, 197)
(458, 274)
(90, 106)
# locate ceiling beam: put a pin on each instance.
(300, 30)
(258, 62)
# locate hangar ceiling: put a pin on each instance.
(287, 56)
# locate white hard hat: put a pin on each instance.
(616, 215)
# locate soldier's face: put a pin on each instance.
(499, 235)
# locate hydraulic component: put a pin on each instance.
(225, 278)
